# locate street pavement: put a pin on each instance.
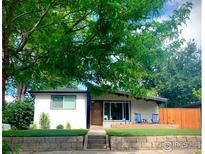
(120, 152)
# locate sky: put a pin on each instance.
(192, 30)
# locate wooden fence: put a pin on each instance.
(187, 118)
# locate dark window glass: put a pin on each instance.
(119, 111)
(116, 111)
(107, 111)
(57, 102)
(126, 111)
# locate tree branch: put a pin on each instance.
(75, 30)
(90, 39)
(77, 22)
(27, 34)
(23, 14)
(11, 12)
(34, 60)
(57, 21)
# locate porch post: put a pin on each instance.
(88, 109)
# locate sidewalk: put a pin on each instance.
(115, 152)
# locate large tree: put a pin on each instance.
(179, 78)
(20, 20)
(111, 44)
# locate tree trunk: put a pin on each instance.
(5, 64)
(21, 89)
(5, 42)
(3, 88)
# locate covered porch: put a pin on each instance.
(105, 113)
(119, 109)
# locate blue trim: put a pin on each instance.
(88, 109)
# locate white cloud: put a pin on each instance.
(192, 30)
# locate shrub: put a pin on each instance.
(68, 125)
(18, 114)
(14, 128)
(33, 126)
(6, 149)
(60, 126)
(44, 121)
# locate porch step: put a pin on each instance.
(96, 146)
(97, 142)
(96, 137)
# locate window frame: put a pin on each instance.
(117, 101)
(53, 108)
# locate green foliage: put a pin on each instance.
(152, 92)
(14, 128)
(6, 149)
(197, 93)
(68, 125)
(60, 126)
(41, 133)
(18, 114)
(33, 126)
(108, 44)
(44, 121)
(180, 75)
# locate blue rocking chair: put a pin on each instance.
(155, 118)
(138, 118)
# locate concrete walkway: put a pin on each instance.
(96, 131)
(120, 152)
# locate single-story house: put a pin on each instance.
(81, 109)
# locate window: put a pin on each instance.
(63, 102)
(116, 111)
(126, 111)
(107, 111)
(57, 101)
(69, 102)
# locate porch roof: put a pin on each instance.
(158, 99)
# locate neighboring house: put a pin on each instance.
(81, 109)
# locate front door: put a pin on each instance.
(96, 113)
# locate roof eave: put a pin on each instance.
(157, 100)
(53, 92)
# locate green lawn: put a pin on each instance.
(151, 132)
(42, 133)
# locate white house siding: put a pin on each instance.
(145, 108)
(76, 117)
